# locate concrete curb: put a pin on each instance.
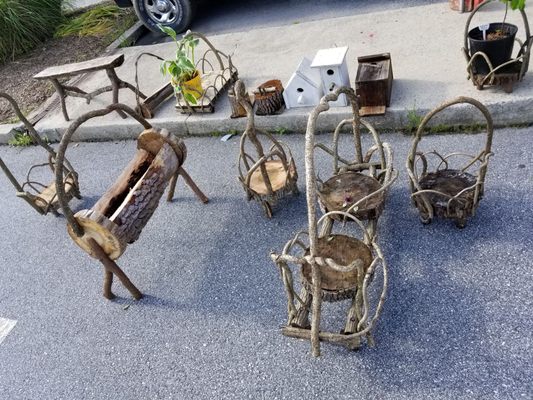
(291, 121)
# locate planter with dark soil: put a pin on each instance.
(498, 45)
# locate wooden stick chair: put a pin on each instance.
(43, 198)
(448, 191)
(359, 186)
(264, 177)
(117, 218)
(334, 267)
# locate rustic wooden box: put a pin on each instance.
(373, 83)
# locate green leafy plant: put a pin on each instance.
(515, 5)
(182, 67)
(21, 139)
(413, 120)
(25, 23)
(281, 130)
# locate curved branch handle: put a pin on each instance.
(209, 44)
(60, 159)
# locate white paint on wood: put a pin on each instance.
(331, 63)
(5, 327)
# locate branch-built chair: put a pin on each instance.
(264, 177)
(333, 267)
(358, 186)
(42, 197)
(480, 68)
(118, 217)
(448, 186)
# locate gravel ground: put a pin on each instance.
(456, 325)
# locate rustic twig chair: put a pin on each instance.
(117, 218)
(357, 186)
(505, 74)
(449, 191)
(264, 177)
(334, 267)
(43, 198)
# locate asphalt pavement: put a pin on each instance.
(456, 323)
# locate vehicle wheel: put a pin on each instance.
(176, 14)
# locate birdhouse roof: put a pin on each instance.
(298, 79)
(329, 57)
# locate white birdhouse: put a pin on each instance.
(331, 63)
(304, 89)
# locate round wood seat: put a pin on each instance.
(276, 173)
(341, 191)
(344, 250)
(450, 182)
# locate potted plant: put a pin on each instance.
(495, 40)
(184, 76)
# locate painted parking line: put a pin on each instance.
(5, 327)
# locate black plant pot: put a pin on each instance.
(499, 51)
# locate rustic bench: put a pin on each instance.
(98, 64)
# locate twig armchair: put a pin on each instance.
(333, 267)
(357, 186)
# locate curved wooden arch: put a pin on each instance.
(424, 204)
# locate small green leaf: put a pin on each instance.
(190, 98)
(169, 31)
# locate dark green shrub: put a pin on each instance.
(25, 23)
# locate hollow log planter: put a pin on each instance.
(118, 217)
(506, 74)
(41, 197)
(333, 267)
(265, 177)
(269, 98)
(455, 186)
(358, 186)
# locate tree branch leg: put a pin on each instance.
(108, 281)
(62, 95)
(115, 82)
(188, 180)
(112, 266)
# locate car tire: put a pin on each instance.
(180, 17)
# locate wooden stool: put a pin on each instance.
(98, 64)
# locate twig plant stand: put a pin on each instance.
(42, 197)
(333, 267)
(118, 217)
(265, 177)
(506, 74)
(448, 186)
(217, 74)
(358, 186)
